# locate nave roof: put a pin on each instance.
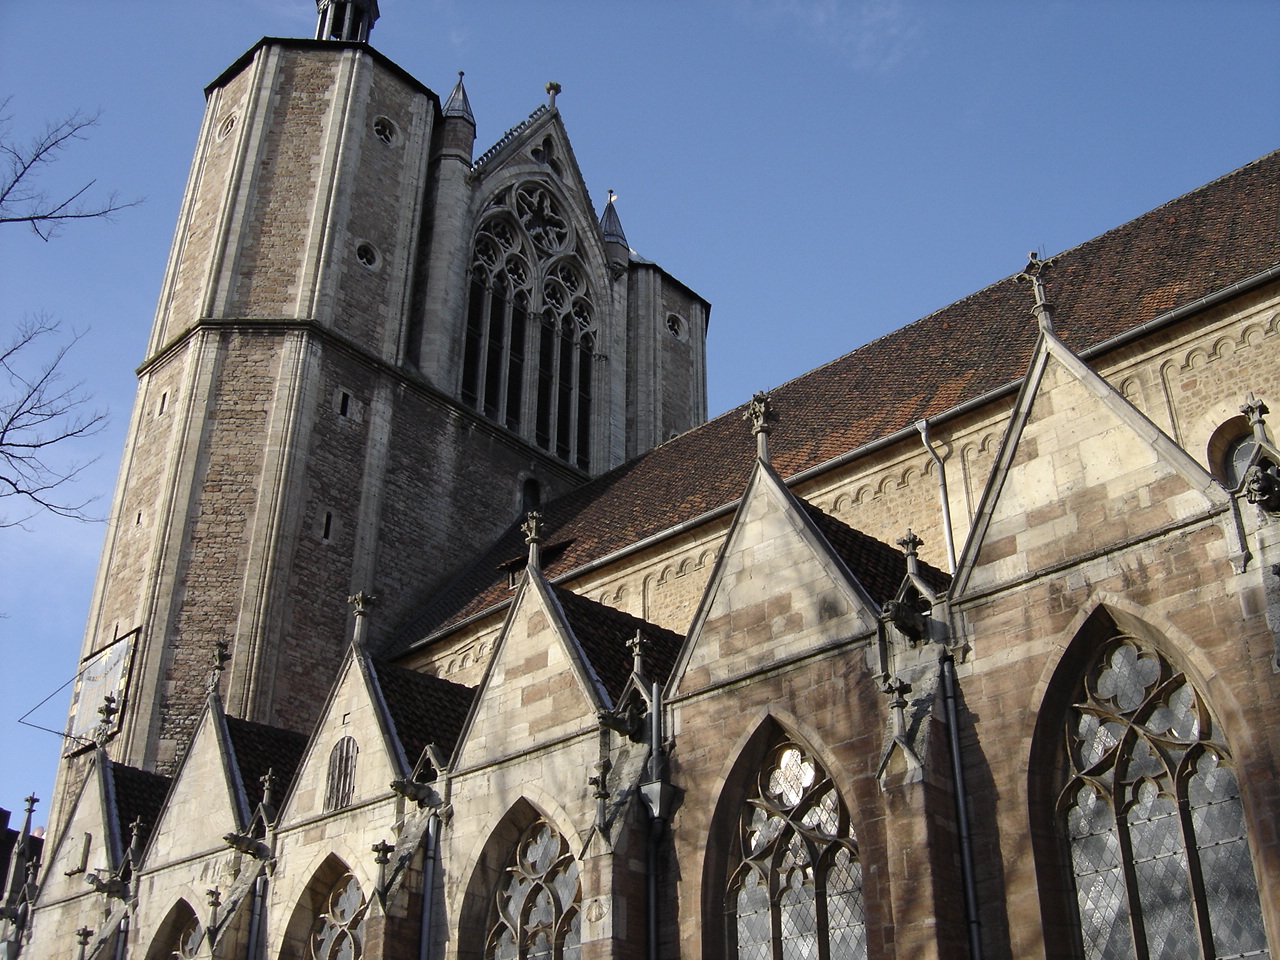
(1223, 234)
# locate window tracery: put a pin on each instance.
(795, 889)
(1152, 817)
(530, 304)
(338, 933)
(537, 905)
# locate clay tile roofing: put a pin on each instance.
(139, 796)
(424, 709)
(604, 632)
(259, 748)
(879, 567)
(1206, 241)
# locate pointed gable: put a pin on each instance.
(354, 724)
(205, 802)
(779, 590)
(1080, 469)
(539, 685)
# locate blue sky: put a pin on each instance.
(823, 171)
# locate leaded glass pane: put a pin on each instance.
(846, 923)
(1131, 736)
(798, 887)
(1235, 913)
(798, 913)
(535, 906)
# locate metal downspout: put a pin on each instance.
(255, 916)
(122, 937)
(948, 535)
(948, 667)
(428, 882)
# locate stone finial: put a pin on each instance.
(108, 712)
(361, 604)
(761, 415)
(1256, 411)
(31, 800)
(639, 646)
(897, 689)
(1033, 273)
(268, 781)
(553, 90)
(220, 658)
(911, 545)
(382, 852)
(82, 938)
(532, 528)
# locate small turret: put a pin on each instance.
(345, 19)
(459, 124)
(615, 240)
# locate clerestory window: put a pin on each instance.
(531, 325)
(536, 912)
(795, 884)
(1152, 817)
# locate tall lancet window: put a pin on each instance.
(531, 325)
(536, 908)
(1152, 819)
(795, 884)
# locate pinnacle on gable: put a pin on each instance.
(458, 106)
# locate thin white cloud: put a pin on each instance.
(871, 35)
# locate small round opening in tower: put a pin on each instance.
(384, 129)
(367, 253)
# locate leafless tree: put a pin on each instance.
(23, 199)
(39, 412)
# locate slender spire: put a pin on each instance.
(615, 240)
(345, 19)
(532, 528)
(458, 105)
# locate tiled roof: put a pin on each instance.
(139, 795)
(1222, 234)
(604, 632)
(424, 709)
(879, 567)
(259, 748)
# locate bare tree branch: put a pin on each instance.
(39, 411)
(23, 199)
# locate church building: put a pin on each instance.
(436, 622)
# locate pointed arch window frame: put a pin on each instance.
(795, 866)
(1147, 812)
(531, 324)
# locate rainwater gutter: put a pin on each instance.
(947, 666)
(255, 917)
(948, 536)
(428, 883)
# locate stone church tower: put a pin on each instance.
(372, 353)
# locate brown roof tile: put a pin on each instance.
(604, 632)
(1219, 235)
(139, 796)
(258, 748)
(423, 708)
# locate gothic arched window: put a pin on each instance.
(341, 782)
(338, 933)
(795, 884)
(1151, 817)
(530, 305)
(536, 908)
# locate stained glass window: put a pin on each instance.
(530, 303)
(536, 909)
(339, 929)
(795, 886)
(1152, 817)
